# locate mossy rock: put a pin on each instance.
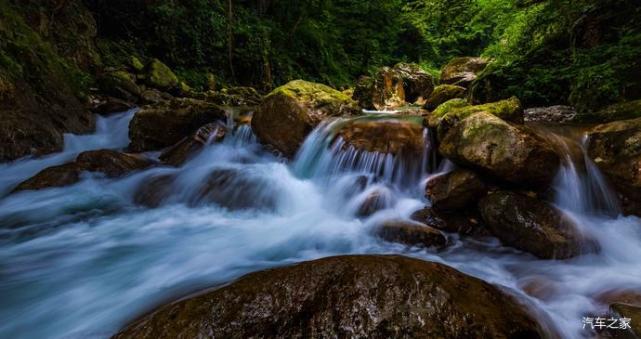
(393, 87)
(449, 105)
(290, 112)
(620, 111)
(120, 84)
(509, 153)
(447, 116)
(443, 93)
(345, 297)
(161, 76)
(136, 64)
(462, 71)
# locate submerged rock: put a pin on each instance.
(455, 190)
(186, 148)
(411, 233)
(235, 189)
(375, 201)
(442, 94)
(464, 222)
(384, 135)
(112, 163)
(533, 226)
(393, 87)
(348, 296)
(616, 149)
(155, 190)
(157, 126)
(553, 114)
(492, 146)
(291, 111)
(462, 71)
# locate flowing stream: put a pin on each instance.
(82, 261)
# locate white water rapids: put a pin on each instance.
(82, 261)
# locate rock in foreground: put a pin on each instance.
(455, 190)
(291, 111)
(343, 297)
(384, 135)
(533, 226)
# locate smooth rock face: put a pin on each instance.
(393, 136)
(533, 226)
(393, 87)
(616, 149)
(111, 163)
(291, 111)
(443, 93)
(462, 71)
(158, 126)
(345, 297)
(411, 233)
(509, 153)
(555, 114)
(189, 146)
(455, 190)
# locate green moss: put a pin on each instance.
(448, 106)
(509, 109)
(136, 64)
(311, 92)
(161, 76)
(444, 93)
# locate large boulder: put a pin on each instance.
(411, 233)
(235, 189)
(291, 111)
(345, 297)
(462, 71)
(191, 145)
(157, 126)
(455, 190)
(616, 149)
(442, 94)
(394, 87)
(120, 84)
(533, 226)
(453, 111)
(111, 163)
(493, 146)
(403, 135)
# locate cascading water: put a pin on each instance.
(81, 261)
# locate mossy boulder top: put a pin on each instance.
(290, 112)
(462, 71)
(345, 297)
(161, 76)
(616, 149)
(509, 153)
(443, 93)
(455, 110)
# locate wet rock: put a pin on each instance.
(235, 96)
(235, 189)
(616, 149)
(411, 233)
(533, 226)
(154, 96)
(553, 114)
(397, 136)
(112, 163)
(374, 202)
(619, 111)
(442, 94)
(450, 113)
(510, 153)
(189, 146)
(155, 190)
(455, 190)
(291, 111)
(160, 76)
(632, 312)
(462, 71)
(119, 84)
(393, 87)
(109, 105)
(157, 126)
(466, 222)
(348, 296)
